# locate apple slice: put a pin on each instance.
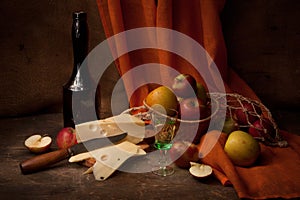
(38, 144)
(200, 170)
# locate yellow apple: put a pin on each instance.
(242, 149)
(163, 100)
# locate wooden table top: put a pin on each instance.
(67, 181)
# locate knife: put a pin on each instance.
(43, 161)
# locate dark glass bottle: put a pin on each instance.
(79, 92)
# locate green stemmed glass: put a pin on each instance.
(165, 128)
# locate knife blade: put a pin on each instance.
(43, 161)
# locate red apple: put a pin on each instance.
(183, 152)
(184, 85)
(193, 109)
(248, 113)
(262, 128)
(66, 138)
(149, 134)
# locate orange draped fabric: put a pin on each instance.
(194, 19)
(199, 19)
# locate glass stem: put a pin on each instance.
(163, 158)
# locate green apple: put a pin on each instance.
(163, 99)
(201, 92)
(230, 125)
(242, 149)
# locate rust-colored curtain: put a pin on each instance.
(278, 176)
(197, 19)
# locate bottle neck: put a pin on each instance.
(79, 76)
(80, 41)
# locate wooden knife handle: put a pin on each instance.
(43, 161)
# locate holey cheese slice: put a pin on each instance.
(109, 159)
(115, 125)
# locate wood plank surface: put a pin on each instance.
(66, 180)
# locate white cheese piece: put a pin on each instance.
(115, 125)
(110, 158)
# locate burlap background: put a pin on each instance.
(36, 53)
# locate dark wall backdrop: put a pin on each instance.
(262, 36)
(263, 42)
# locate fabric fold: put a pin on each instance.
(277, 171)
(274, 175)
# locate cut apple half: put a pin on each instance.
(200, 170)
(38, 144)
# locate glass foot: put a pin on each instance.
(164, 171)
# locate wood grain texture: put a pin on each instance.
(67, 181)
